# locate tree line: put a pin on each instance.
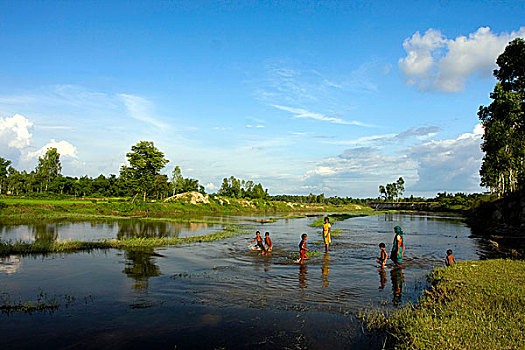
(503, 167)
(140, 179)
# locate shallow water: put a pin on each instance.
(222, 293)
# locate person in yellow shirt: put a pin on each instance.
(326, 233)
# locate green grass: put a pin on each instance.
(340, 217)
(46, 247)
(21, 210)
(472, 305)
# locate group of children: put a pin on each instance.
(265, 247)
(398, 246)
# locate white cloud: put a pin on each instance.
(254, 126)
(14, 131)
(303, 113)
(449, 165)
(210, 187)
(64, 148)
(435, 62)
(140, 109)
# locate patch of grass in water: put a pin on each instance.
(472, 305)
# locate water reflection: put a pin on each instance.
(103, 229)
(45, 232)
(140, 266)
(382, 279)
(302, 275)
(325, 270)
(398, 278)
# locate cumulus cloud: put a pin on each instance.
(358, 171)
(303, 113)
(210, 187)
(64, 148)
(434, 62)
(14, 131)
(449, 165)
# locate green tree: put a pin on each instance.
(4, 163)
(48, 167)
(503, 167)
(145, 162)
(400, 186)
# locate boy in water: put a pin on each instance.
(268, 245)
(326, 233)
(259, 245)
(303, 249)
(384, 255)
(450, 260)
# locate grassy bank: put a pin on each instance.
(363, 211)
(17, 210)
(473, 305)
(46, 247)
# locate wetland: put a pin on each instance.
(217, 293)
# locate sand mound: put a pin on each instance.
(190, 197)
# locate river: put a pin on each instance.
(220, 294)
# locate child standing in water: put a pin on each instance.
(326, 233)
(268, 245)
(259, 245)
(384, 255)
(450, 260)
(303, 249)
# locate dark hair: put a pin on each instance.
(303, 236)
(381, 245)
(267, 234)
(258, 232)
(449, 252)
(326, 218)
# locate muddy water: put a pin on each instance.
(222, 294)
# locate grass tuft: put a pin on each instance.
(472, 305)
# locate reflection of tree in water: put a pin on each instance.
(140, 266)
(325, 270)
(397, 284)
(144, 229)
(44, 232)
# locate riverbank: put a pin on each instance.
(473, 305)
(17, 210)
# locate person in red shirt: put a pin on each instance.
(303, 249)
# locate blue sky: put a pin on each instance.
(323, 97)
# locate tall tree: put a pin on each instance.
(503, 167)
(4, 163)
(48, 167)
(145, 162)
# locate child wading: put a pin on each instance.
(384, 255)
(268, 245)
(259, 245)
(303, 249)
(450, 260)
(398, 247)
(326, 233)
